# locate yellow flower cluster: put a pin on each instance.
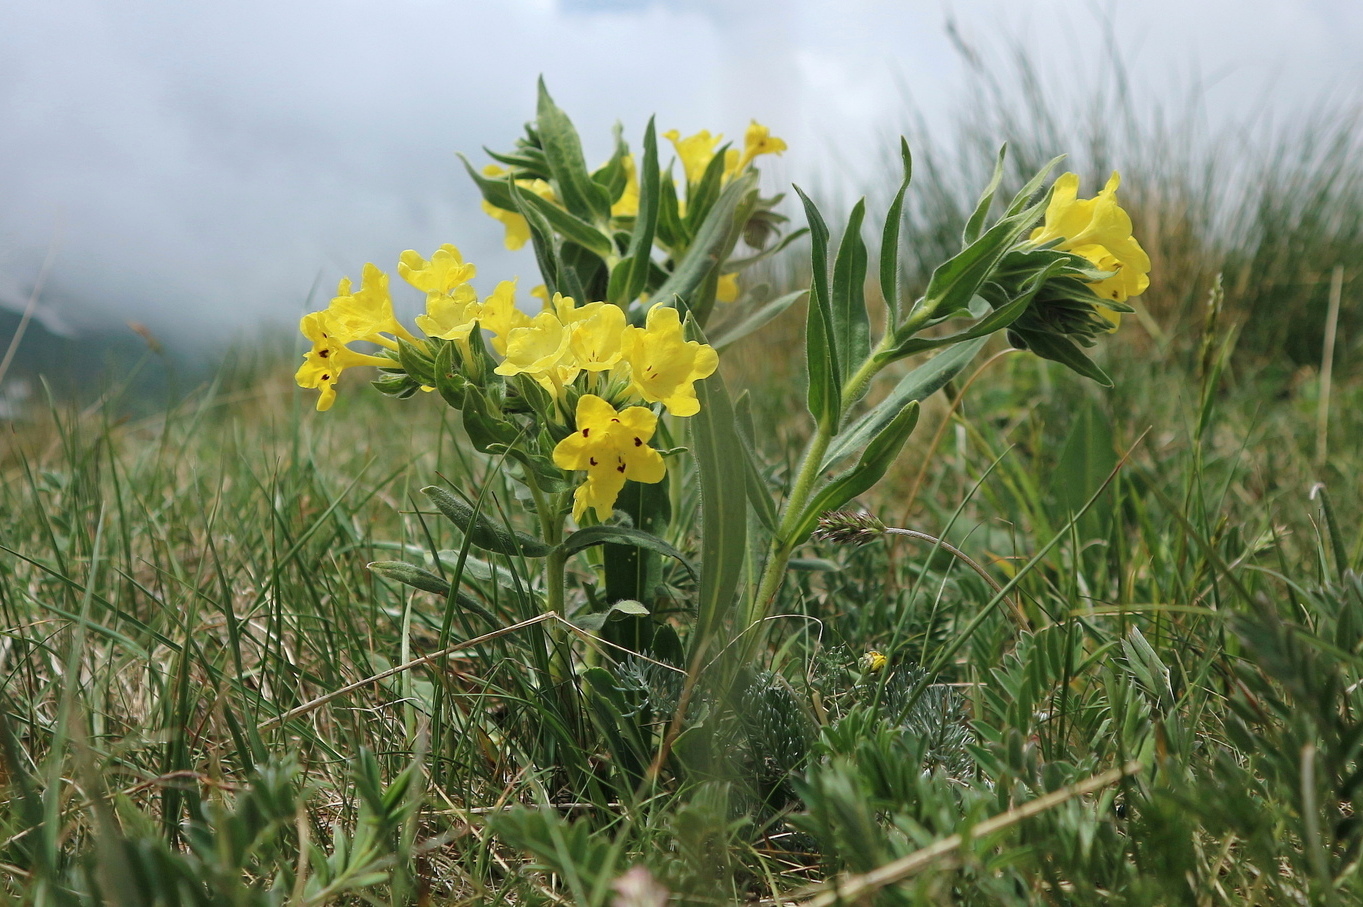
(695, 153)
(1099, 230)
(617, 362)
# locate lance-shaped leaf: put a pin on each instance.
(630, 276)
(759, 493)
(563, 153)
(502, 192)
(958, 279)
(413, 576)
(918, 384)
(592, 623)
(1060, 349)
(974, 225)
(417, 362)
(996, 320)
(724, 509)
(448, 381)
(482, 531)
(756, 319)
(712, 243)
(821, 352)
(870, 469)
(701, 195)
(889, 241)
(622, 535)
(851, 325)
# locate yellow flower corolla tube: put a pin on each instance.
(873, 662)
(627, 205)
(517, 228)
(611, 447)
(329, 356)
(596, 338)
(663, 365)
(366, 314)
(452, 315)
(445, 271)
(1099, 230)
(727, 288)
(540, 350)
(500, 315)
(695, 151)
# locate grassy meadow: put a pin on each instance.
(208, 698)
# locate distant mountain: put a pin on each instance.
(82, 364)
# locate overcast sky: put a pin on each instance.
(201, 166)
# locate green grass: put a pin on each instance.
(1162, 706)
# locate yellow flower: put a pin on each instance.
(517, 229)
(450, 316)
(329, 356)
(695, 151)
(663, 366)
(611, 447)
(597, 335)
(445, 271)
(1099, 230)
(873, 662)
(366, 314)
(540, 350)
(500, 315)
(727, 288)
(758, 140)
(627, 205)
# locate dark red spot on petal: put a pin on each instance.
(592, 460)
(638, 443)
(586, 432)
(620, 468)
(326, 377)
(324, 353)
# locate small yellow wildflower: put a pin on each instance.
(452, 315)
(367, 313)
(873, 662)
(445, 271)
(758, 140)
(1100, 230)
(611, 447)
(541, 350)
(329, 356)
(596, 338)
(663, 366)
(695, 151)
(500, 316)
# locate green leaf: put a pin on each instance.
(759, 493)
(571, 228)
(620, 610)
(621, 535)
(957, 280)
(1085, 462)
(563, 153)
(975, 223)
(756, 319)
(724, 509)
(821, 354)
(672, 232)
(416, 362)
(851, 325)
(450, 384)
(1025, 194)
(482, 531)
(712, 244)
(918, 384)
(889, 243)
(870, 469)
(1060, 349)
(630, 276)
(412, 576)
(700, 196)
